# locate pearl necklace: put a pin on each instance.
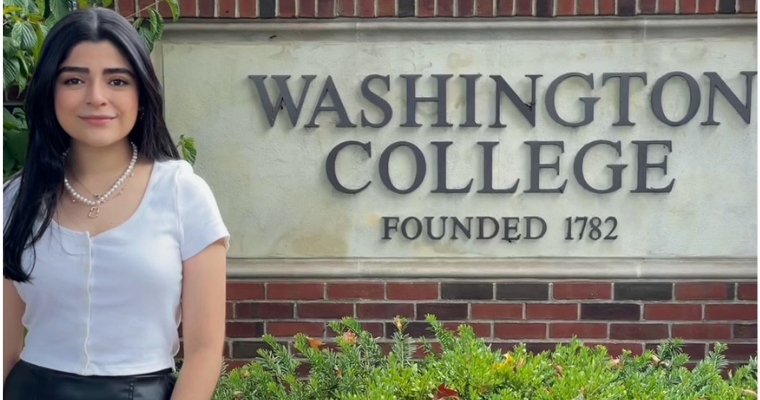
(95, 204)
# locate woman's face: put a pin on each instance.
(96, 95)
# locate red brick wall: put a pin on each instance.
(246, 9)
(621, 315)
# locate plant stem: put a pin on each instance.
(144, 9)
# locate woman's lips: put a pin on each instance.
(98, 120)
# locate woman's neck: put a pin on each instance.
(93, 164)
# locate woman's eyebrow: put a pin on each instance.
(108, 71)
(81, 70)
(111, 71)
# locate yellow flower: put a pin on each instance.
(498, 366)
(315, 343)
(398, 323)
(349, 337)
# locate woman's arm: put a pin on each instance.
(203, 315)
(13, 330)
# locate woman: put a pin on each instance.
(105, 230)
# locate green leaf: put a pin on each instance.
(11, 69)
(22, 83)
(36, 18)
(8, 47)
(147, 36)
(24, 68)
(23, 35)
(39, 30)
(41, 6)
(9, 120)
(189, 152)
(32, 8)
(17, 142)
(48, 25)
(174, 6)
(59, 8)
(154, 16)
(23, 4)
(83, 4)
(156, 24)
(10, 9)
(138, 22)
(107, 3)
(7, 115)
(20, 115)
(161, 26)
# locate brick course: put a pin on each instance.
(621, 315)
(481, 9)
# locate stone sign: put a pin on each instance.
(462, 148)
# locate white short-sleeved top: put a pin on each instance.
(110, 304)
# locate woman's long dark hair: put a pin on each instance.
(40, 181)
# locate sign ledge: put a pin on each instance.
(495, 268)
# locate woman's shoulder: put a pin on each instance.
(200, 219)
(10, 188)
(12, 182)
(180, 176)
(173, 172)
(174, 167)
(10, 192)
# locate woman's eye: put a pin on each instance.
(119, 82)
(72, 81)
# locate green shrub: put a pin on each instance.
(465, 367)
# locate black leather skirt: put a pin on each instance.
(31, 382)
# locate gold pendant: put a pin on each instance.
(94, 212)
